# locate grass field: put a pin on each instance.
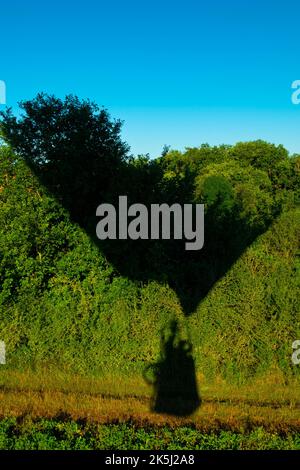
(49, 409)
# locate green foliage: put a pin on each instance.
(247, 323)
(65, 142)
(70, 435)
(62, 302)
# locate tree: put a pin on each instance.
(73, 147)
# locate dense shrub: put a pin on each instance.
(63, 302)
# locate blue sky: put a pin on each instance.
(178, 72)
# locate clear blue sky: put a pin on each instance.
(178, 72)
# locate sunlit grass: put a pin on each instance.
(269, 403)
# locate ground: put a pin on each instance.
(262, 414)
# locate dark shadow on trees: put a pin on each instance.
(78, 156)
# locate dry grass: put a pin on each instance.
(269, 403)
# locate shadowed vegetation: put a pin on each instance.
(89, 306)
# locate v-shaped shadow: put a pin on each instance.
(190, 273)
(80, 186)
